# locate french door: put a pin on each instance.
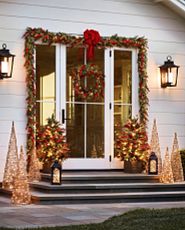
(90, 125)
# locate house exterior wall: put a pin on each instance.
(163, 28)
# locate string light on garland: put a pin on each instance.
(11, 161)
(33, 35)
(21, 192)
(176, 162)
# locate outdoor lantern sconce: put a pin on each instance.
(153, 164)
(6, 62)
(56, 173)
(169, 73)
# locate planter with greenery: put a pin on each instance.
(131, 145)
(51, 142)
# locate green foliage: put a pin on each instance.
(51, 141)
(131, 142)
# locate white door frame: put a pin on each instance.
(108, 161)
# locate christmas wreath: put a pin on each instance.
(81, 76)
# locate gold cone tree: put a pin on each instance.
(34, 167)
(11, 161)
(176, 161)
(21, 192)
(155, 146)
(167, 174)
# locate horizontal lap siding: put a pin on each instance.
(164, 30)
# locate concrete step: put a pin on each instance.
(103, 177)
(40, 198)
(105, 188)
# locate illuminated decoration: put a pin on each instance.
(155, 146)
(169, 73)
(131, 141)
(21, 192)
(153, 164)
(34, 35)
(167, 174)
(51, 142)
(176, 162)
(6, 62)
(34, 167)
(83, 73)
(11, 161)
(56, 173)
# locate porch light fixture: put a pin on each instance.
(6, 62)
(153, 164)
(169, 73)
(56, 173)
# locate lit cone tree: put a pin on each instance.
(21, 193)
(176, 161)
(11, 161)
(155, 146)
(167, 174)
(34, 169)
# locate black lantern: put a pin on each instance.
(6, 62)
(169, 73)
(56, 173)
(153, 164)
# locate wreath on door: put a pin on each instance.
(81, 77)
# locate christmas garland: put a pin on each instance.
(33, 35)
(91, 71)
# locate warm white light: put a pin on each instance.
(170, 77)
(4, 66)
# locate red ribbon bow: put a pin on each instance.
(92, 37)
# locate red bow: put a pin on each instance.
(92, 37)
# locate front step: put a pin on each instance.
(103, 177)
(40, 198)
(105, 188)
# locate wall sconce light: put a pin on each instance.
(6, 62)
(169, 73)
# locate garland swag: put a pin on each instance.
(32, 35)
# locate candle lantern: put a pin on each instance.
(56, 173)
(153, 164)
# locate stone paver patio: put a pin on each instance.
(60, 215)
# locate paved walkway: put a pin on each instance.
(60, 215)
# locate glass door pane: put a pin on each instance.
(95, 131)
(45, 82)
(85, 118)
(122, 87)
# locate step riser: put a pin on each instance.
(111, 200)
(103, 181)
(121, 190)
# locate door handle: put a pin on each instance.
(63, 116)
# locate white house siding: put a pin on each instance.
(164, 30)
